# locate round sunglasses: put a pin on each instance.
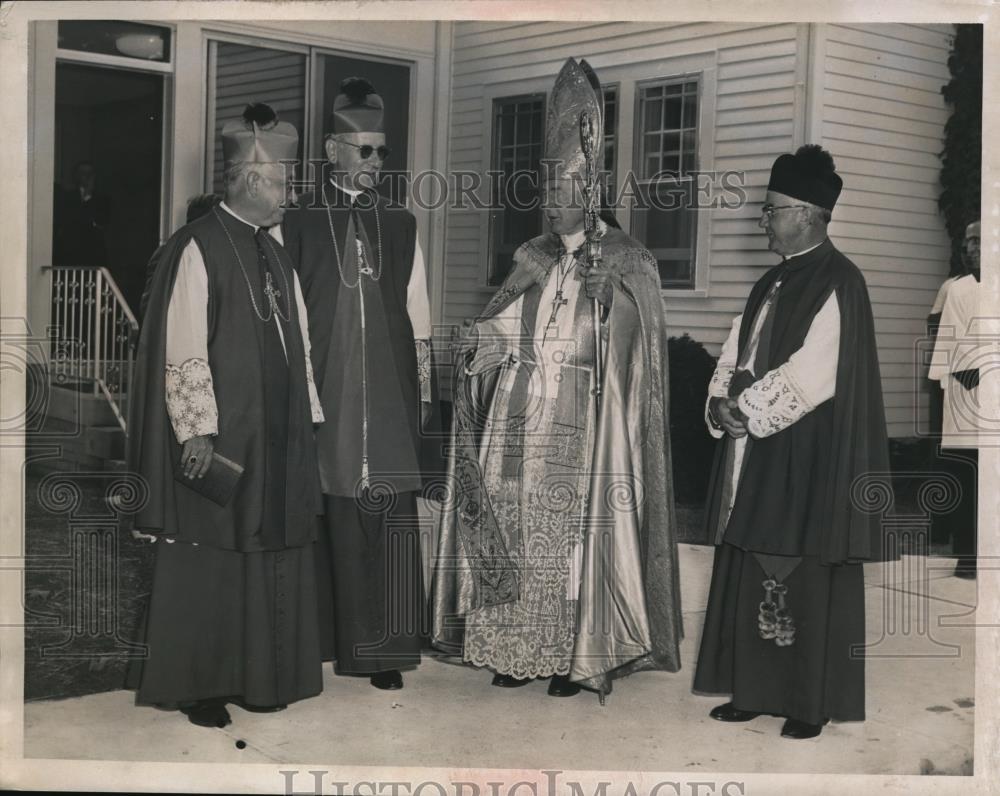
(366, 150)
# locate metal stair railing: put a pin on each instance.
(93, 332)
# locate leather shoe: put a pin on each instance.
(390, 680)
(966, 568)
(208, 713)
(793, 728)
(560, 686)
(260, 708)
(727, 712)
(509, 681)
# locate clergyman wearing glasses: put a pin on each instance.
(363, 276)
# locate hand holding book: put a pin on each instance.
(196, 457)
(206, 472)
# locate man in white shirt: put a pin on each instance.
(955, 365)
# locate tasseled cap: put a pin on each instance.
(577, 93)
(808, 175)
(258, 137)
(356, 109)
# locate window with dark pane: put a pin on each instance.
(665, 219)
(518, 138)
(245, 74)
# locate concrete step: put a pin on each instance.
(62, 445)
(79, 406)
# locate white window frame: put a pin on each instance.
(500, 91)
(625, 78)
(629, 77)
(489, 232)
(637, 148)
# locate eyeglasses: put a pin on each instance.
(769, 210)
(366, 150)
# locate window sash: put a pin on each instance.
(666, 142)
(517, 139)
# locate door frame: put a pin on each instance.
(164, 68)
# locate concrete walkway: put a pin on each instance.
(920, 708)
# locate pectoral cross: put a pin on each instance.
(363, 266)
(557, 304)
(272, 293)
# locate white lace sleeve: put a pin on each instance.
(787, 393)
(424, 369)
(773, 403)
(718, 387)
(190, 394)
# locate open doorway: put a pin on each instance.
(108, 155)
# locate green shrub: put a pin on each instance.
(691, 368)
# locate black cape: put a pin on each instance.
(236, 352)
(821, 486)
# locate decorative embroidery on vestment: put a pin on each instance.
(191, 399)
(718, 387)
(424, 368)
(773, 403)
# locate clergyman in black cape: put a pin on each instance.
(796, 399)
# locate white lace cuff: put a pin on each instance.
(773, 403)
(718, 387)
(191, 400)
(424, 369)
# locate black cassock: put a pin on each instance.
(372, 603)
(232, 610)
(797, 507)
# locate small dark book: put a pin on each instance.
(218, 483)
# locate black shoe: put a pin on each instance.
(727, 712)
(509, 681)
(259, 708)
(966, 568)
(560, 686)
(793, 728)
(390, 680)
(208, 713)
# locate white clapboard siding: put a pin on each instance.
(754, 110)
(883, 120)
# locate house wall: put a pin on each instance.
(868, 93)
(882, 116)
